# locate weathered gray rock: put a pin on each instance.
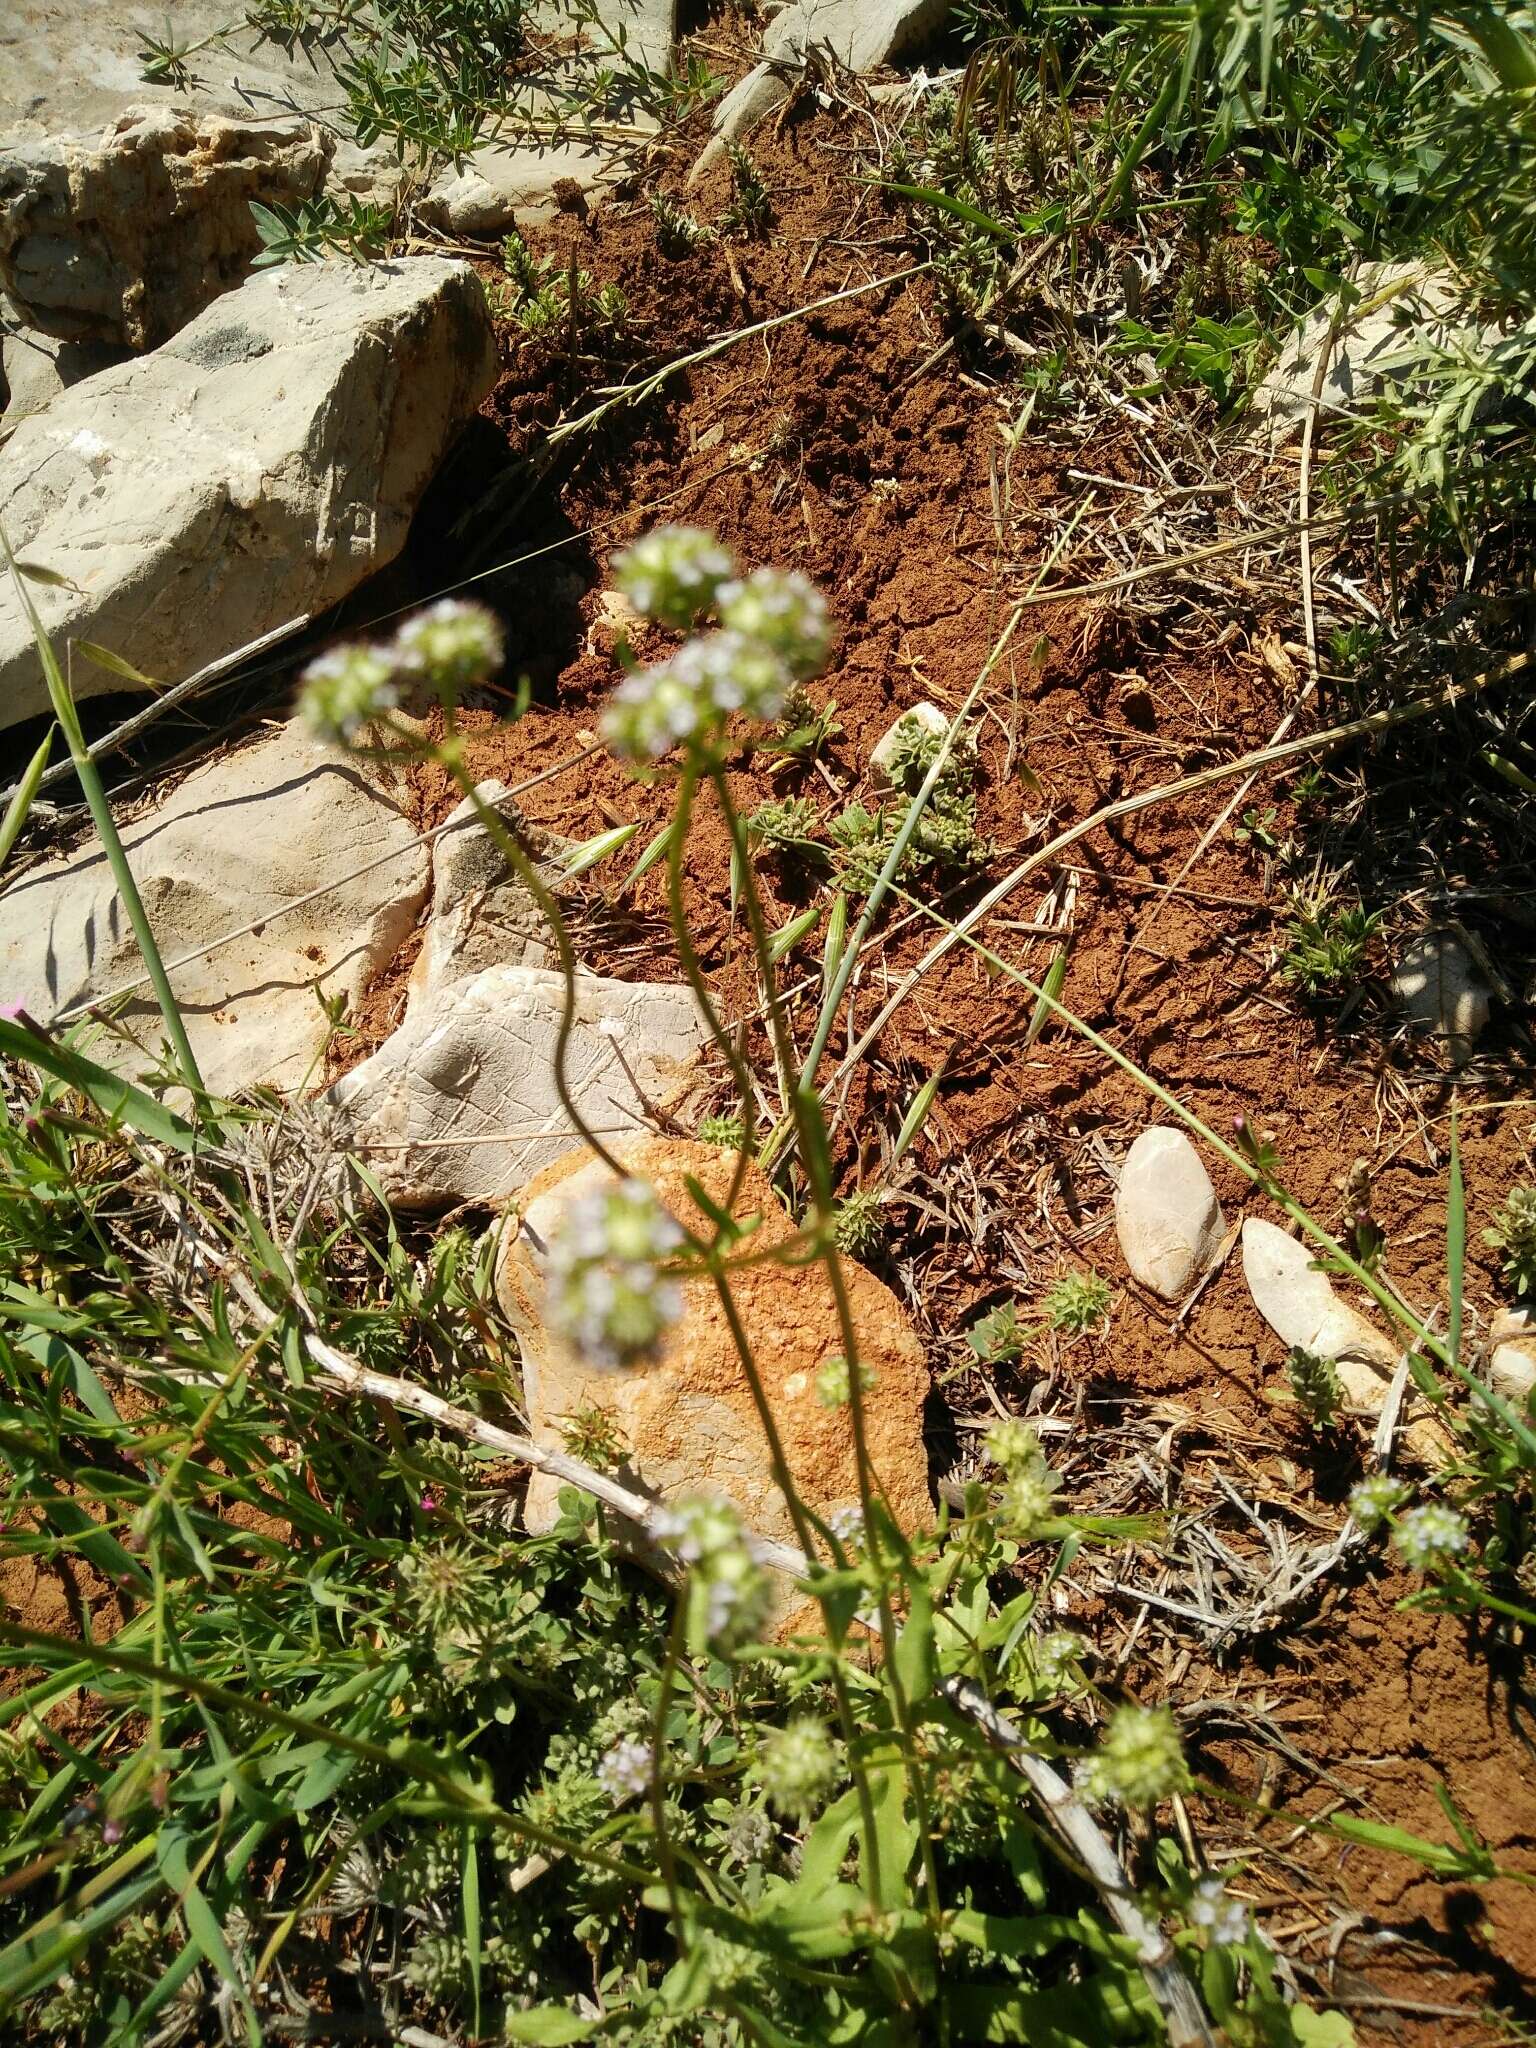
(927, 718)
(1442, 992)
(482, 914)
(1167, 1217)
(238, 839)
(460, 1103)
(255, 468)
(124, 237)
(35, 368)
(861, 34)
(1397, 302)
(67, 68)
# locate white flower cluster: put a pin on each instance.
(452, 645)
(673, 574)
(728, 1590)
(1139, 1761)
(1058, 1660)
(606, 1293)
(1430, 1537)
(834, 1382)
(797, 1766)
(1374, 1502)
(625, 1772)
(1224, 1919)
(346, 689)
(774, 632)
(1030, 1486)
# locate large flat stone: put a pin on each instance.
(687, 1419)
(460, 1103)
(237, 840)
(258, 466)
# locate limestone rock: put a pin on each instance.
(514, 184)
(257, 467)
(482, 914)
(1167, 1217)
(861, 34)
(122, 238)
(927, 717)
(1396, 300)
(1440, 989)
(67, 68)
(35, 367)
(688, 1419)
(460, 1103)
(1512, 1358)
(240, 837)
(1300, 1306)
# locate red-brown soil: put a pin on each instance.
(827, 446)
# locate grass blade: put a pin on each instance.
(21, 803)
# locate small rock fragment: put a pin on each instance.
(1441, 992)
(483, 915)
(1300, 1306)
(927, 718)
(1167, 1216)
(1512, 1359)
(460, 1103)
(688, 1419)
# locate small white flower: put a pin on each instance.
(1431, 1536)
(606, 1295)
(1375, 1500)
(1140, 1759)
(342, 691)
(625, 1772)
(673, 574)
(797, 1767)
(781, 610)
(453, 643)
(1225, 1919)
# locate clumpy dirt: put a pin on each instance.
(828, 446)
(835, 445)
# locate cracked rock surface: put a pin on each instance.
(257, 467)
(460, 1103)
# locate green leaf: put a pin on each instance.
(1455, 1240)
(788, 936)
(472, 1922)
(591, 851)
(654, 852)
(118, 1100)
(551, 2026)
(1050, 992)
(912, 1123)
(946, 202)
(21, 803)
(913, 1656)
(837, 934)
(115, 665)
